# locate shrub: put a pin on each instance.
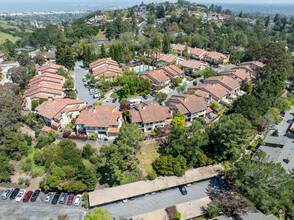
(213, 209)
(177, 215)
(93, 136)
(152, 175)
(27, 182)
(35, 103)
(66, 134)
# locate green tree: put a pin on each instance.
(213, 209)
(178, 120)
(228, 137)
(6, 169)
(87, 151)
(130, 136)
(98, 214)
(69, 84)
(168, 165)
(160, 97)
(265, 184)
(247, 106)
(166, 44)
(24, 59)
(103, 52)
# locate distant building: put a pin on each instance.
(50, 55)
(179, 49)
(214, 57)
(1, 57)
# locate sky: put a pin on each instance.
(70, 5)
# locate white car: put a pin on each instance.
(48, 197)
(7, 193)
(125, 201)
(20, 195)
(78, 199)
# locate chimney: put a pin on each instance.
(94, 109)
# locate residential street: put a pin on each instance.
(165, 199)
(284, 126)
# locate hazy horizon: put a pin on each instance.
(70, 5)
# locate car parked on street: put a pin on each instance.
(14, 193)
(48, 197)
(289, 121)
(114, 100)
(145, 96)
(35, 195)
(63, 198)
(70, 199)
(27, 196)
(78, 200)
(183, 190)
(6, 193)
(20, 195)
(55, 198)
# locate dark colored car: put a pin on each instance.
(114, 100)
(27, 196)
(55, 198)
(35, 195)
(145, 97)
(289, 121)
(70, 199)
(14, 193)
(183, 190)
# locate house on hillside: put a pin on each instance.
(197, 53)
(150, 115)
(180, 48)
(190, 106)
(58, 112)
(50, 55)
(50, 68)
(192, 65)
(232, 85)
(211, 92)
(158, 78)
(43, 86)
(215, 57)
(173, 72)
(105, 120)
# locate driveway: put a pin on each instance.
(165, 199)
(39, 210)
(82, 92)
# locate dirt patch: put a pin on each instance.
(146, 158)
(34, 182)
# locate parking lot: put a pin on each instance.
(12, 210)
(164, 199)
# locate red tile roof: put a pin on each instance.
(168, 58)
(149, 112)
(193, 64)
(105, 61)
(53, 108)
(157, 76)
(188, 103)
(100, 116)
(180, 47)
(237, 73)
(217, 91)
(107, 71)
(52, 66)
(198, 52)
(226, 81)
(173, 71)
(216, 56)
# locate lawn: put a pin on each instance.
(4, 36)
(120, 94)
(147, 156)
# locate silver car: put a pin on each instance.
(63, 198)
(7, 193)
(49, 197)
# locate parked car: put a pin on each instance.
(125, 201)
(48, 197)
(114, 100)
(283, 114)
(97, 95)
(78, 199)
(183, 190)
(63, 198)
(20, 195)
(70, 199)
(35, 195)
(7, 193)
(27, 196)
(14, 193)
(289, 121)
(145, 97)
(55, 198)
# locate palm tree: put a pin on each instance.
(148, 51)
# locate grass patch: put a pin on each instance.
(120, 94)
(101, 34)
(147, 157)
(4, 36)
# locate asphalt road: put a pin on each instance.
(39, 210)
(165, 199)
